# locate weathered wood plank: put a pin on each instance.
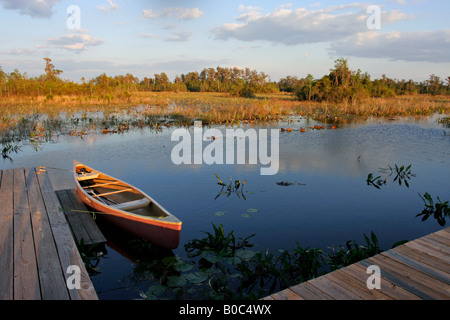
(425, 258)
(88, 222)
(67, 250)
(444, 233)
(6, 257)
(51, 275)
(356, 286)
(388, 289)
(20, 192)
(439, 239)
(435, 245)
(287, 294)
(6, 192)
(308, 292)
(426, 249)
(26, 279)
(426, 285)
(78, 230)
(81, 222)
(416, 264)
(332, 289)
(6, 235)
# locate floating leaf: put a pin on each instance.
(184, 266)
(197, 277)
(219, 213)
(252, 210)
(246, 215)
(245, 254)
(155, 291)
(176, 281)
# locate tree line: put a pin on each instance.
(340, 85)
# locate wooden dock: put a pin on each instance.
(417, 270)
(36, 242)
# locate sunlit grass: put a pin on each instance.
(218, 108)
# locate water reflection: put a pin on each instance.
(332, 205)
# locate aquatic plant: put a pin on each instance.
(220, 267)
(9, 148)
(403, 174)
(352, 252)
(235, 186)
(439, 210)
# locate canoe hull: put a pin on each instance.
(157, 231)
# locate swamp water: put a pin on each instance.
(319, 198)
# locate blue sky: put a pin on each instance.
(279, 38)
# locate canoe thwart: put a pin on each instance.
(101, 184)
(112, 192)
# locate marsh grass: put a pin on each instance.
(44, 116)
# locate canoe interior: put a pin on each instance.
(114, 195)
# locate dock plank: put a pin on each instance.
(287, 294)
(6, 257)
(333, 289)
(308, 292)
(78, 230)
(26, 279)
(67, 250)
(83, 226)
(422, 284)
(390, 290)
(6, 235)
(51, 275)
(425, 258)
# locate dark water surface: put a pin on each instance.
(325, 202)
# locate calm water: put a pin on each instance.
(328, 202)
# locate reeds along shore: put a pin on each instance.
(221, 107)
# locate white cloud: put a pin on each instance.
(16, 52)
(112, 6)
(179, 36)
(32, 8)
(299, 26)
(74, 42)
(430, 46)
(148, 35)
(174, 12)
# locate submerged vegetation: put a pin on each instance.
(222, 266)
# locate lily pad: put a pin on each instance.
(197, 277)
(176, 281)
(183, 266)
(156, 290)
(219, 213)
(252, 210)
(245, 254)
(246, 215)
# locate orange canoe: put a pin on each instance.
(127, 207)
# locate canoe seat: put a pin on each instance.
(87, 176)
(132, 205)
